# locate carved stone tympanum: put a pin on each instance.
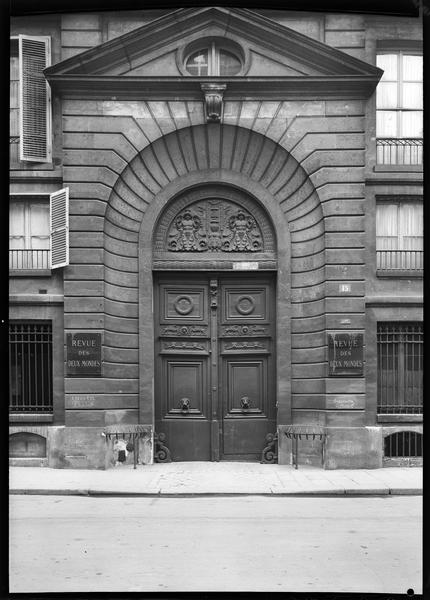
(213, 226)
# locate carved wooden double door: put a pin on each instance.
(215, 365)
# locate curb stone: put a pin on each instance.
(50, 492)
(406, 492)
(158, 494)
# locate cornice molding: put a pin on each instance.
(238, 88)
(210, 265)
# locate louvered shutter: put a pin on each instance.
(34, 99)
(59, 222)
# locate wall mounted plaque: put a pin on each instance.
(245, 266)
(80, 401)
(84, 354)
(345, 354)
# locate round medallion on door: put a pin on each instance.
(183, 305)
(245, 305)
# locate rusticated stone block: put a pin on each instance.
(310, 451)
(345, 418)
(84, 447)
(353, 448)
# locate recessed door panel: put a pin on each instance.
(245, 439)
(215, 377)
(245, 304)
(184, 387)
(186, 440)
(183, 303)
(246, 389)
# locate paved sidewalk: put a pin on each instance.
(212, 478)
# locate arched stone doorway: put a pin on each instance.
(214, 261)
(279, 186)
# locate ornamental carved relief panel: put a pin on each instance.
(214, 226)
(214, 222)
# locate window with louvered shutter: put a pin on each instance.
(14, 105)
(35, 99)
(59, 220)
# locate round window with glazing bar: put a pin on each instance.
(213, 58)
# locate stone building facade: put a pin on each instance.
(234, 246)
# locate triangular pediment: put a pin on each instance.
(157, 49)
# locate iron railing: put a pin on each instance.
(399, 151)
(400, 368)
(403, 444)
(30, 367)
(399, 260)
(29, 259)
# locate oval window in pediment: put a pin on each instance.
(213, 59)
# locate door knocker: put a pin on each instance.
(184, 405)
(245, 403)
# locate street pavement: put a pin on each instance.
(212, 478)
(200, 543)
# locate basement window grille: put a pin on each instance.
(403, 444)
(400, 368)
(30, 367)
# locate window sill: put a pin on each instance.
(31, 417)
(400, 274)
(33, 169)
(30, 272)
(411, 461)
(15, 461)
(399, 418)
(398, 168)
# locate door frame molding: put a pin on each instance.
(146, 293)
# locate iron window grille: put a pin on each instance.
(399, 151)
(29, 259)
(30, 367)
(403, 444)
(400, 368)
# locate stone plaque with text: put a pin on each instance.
(84, 354)
(345, 354)
(80, 401)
